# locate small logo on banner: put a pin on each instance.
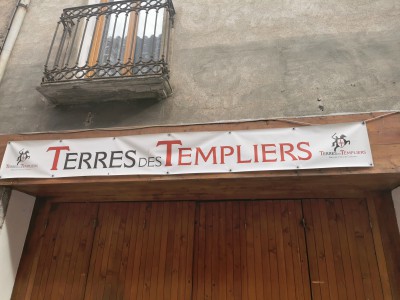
(23, 156)
(339, 142)
(22, 161)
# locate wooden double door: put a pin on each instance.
(292, 249)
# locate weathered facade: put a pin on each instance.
(230, 61)
(233, 65)
(7, 9)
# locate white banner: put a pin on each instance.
(309, 147)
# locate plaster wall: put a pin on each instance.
(231, 60)
(12, 239)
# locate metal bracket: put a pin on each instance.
(22, 5)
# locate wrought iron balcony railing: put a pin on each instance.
(108, 40)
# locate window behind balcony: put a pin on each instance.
(111, 39)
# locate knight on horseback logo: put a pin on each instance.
(339, 142)
(23, 156)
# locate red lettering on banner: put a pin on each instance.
(255, 153)
(181, 155)
(265, 152)
(239, 156)
(169, 144)
(309, 154)
(287, 151)
(224, 154)
(206, 157)
(57, 155)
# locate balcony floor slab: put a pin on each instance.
(109, 89)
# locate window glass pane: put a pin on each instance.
(149, 35)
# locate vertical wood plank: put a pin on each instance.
(243, 250)
(265, 259)
(339, 218)
(79, 263)
(288, 250)
(251, 276)
(148, 259)
(331, 219)
(128, 240)
(199, 254)
(214, 252)
(138, 212)
(62, 255)
(280, 251)
(163, 251)
(299, 248)
(183, 251)
(208, 252)
(329, 258)
(312, 250)
(355, 259)
(176, 254)
(137, 253)
(170, 251)
(361, 246)
(377, 239)
(257, 251)
(75, 289)
(321, 251)
(114, 259)
(230, 267)
(237, 264)
(189, 251)
(365, 227)
(390, 239)
(103, 286)
(57, 218)
(145, 248)
(272, 250)
(222, 261)
(152, 281)
(97, 252)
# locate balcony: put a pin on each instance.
(110, 52)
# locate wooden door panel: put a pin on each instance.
(249, 250)
(310, 249)
(342, 257)
(142, 251)
(57, 255)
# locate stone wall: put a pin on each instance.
(231, 60)
(7, 7)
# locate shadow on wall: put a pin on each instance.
(12, 239)
(4, 200)
(105, 114)
(396, 202)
